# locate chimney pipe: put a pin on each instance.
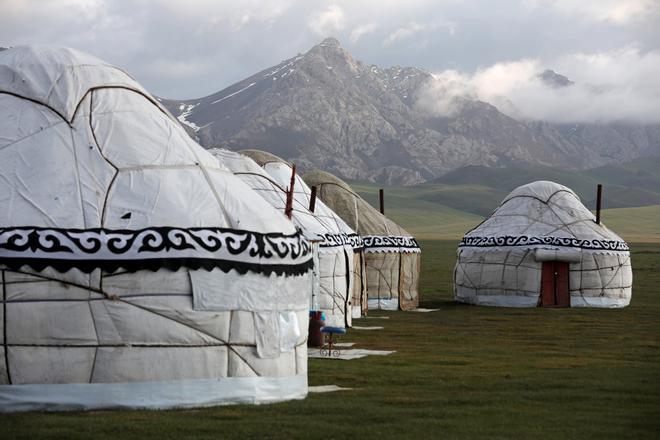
(599, 194)
(382, 200)
(288, 210)
(312, 200)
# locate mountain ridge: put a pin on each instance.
(325, 109)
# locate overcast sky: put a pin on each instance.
(489, 49)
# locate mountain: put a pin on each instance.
(554, 79)
(324, 109)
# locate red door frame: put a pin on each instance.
(555, 290)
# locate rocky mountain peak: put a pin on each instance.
(553, 79)
(330, 42)
(324, 109)
(332, 55)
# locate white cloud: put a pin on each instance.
(154, 39)
(361, 31)
(619, 12)
(614, 86)
(413, 29)
(328, 21)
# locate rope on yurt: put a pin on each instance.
(333, 293)
(349, 294)
(130, 89)
(96, 331)
(15, 95)
(4, 326)
(108, 161)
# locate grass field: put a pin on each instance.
(461, 372)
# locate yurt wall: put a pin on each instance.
(391, 254)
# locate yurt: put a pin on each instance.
(337, 245)
(136, 271)
(392, 255)
(543, 248)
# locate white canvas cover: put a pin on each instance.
(136, 271)
(270, 177)
(391, 254)
(500, 261)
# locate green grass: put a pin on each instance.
(463, 372)
(635, 224)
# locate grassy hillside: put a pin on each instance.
(425, 218)
(635, 224)
(422, 218)
(627, 185)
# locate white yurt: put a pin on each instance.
(136, 271)
(392, 256)
(334, 242)
(542, 247)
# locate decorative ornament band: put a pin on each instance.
(155, 248)
(525, 240)
(390, 243)
(332, 240)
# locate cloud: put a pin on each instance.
(328, 21)
(361, 31)
(225, 41)
(619, 12)
(413, 28)
(613, 86)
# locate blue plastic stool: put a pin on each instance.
(331, 335)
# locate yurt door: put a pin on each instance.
(554, 284)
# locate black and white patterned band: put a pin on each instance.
(525, 240)
(155, 248)
(390, 243)
(343, 239)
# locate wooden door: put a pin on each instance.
(554, 284)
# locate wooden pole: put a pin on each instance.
(381, 193)
(288, 210)
(599, 195)
(312, 200)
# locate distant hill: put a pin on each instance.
(479, 189)
(325, 109)
(428, 219)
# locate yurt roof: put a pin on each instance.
(58, 77)
(322, 225)
(117, 182)
(374, 227)
(543, 213)
(280, 171)
(262, 157)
